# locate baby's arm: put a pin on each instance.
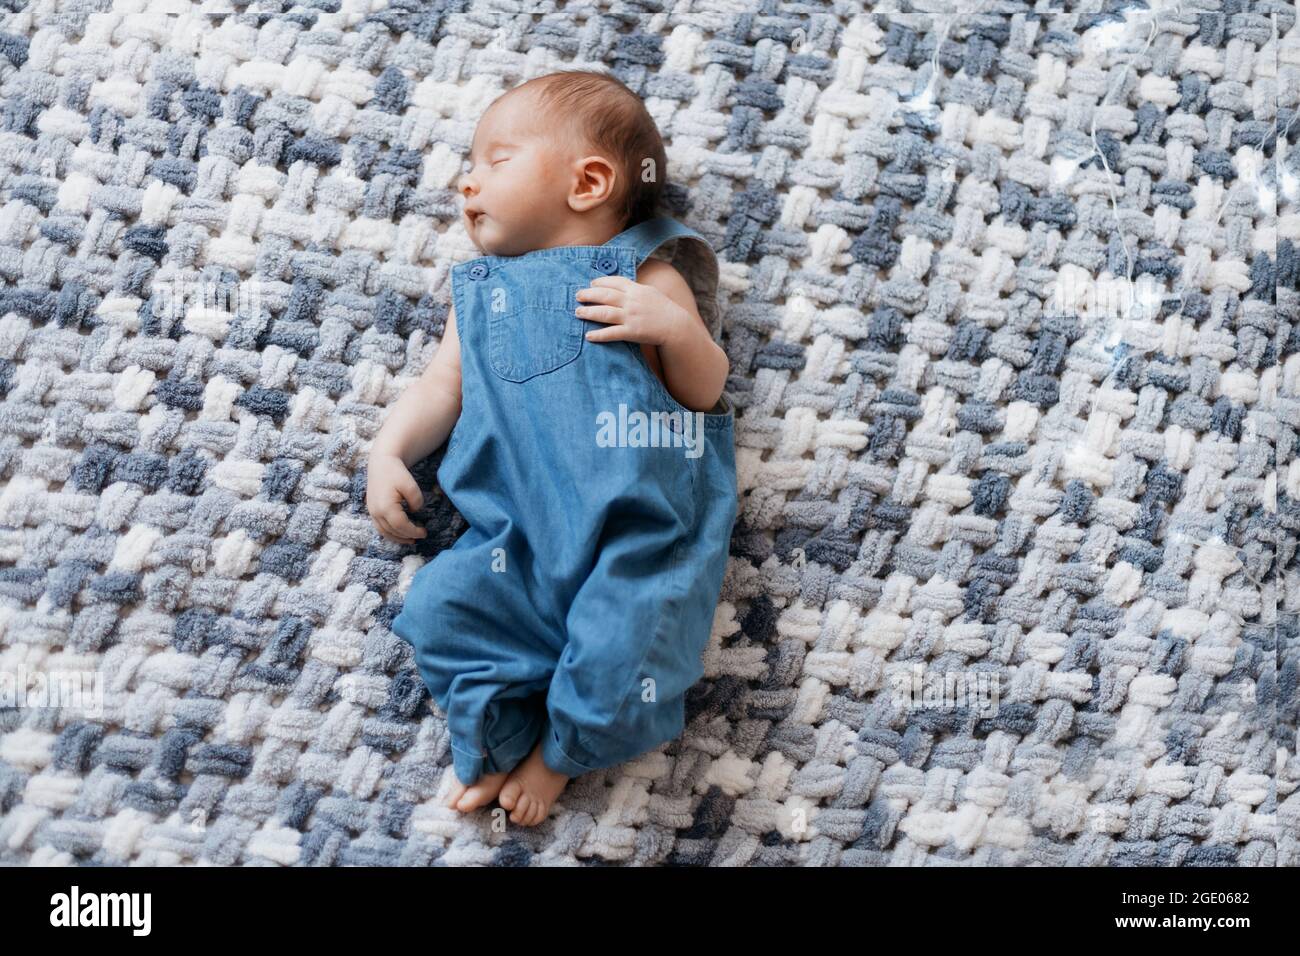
(424, 416)
(418, 423)
(694, 366)
(658, 310)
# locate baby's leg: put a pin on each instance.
(603, 710)
(620, 684)
(487, 658)
(511, 726)
(638, 626)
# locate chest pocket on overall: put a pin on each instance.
(532, 328)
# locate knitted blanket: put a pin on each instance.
(1012, 317)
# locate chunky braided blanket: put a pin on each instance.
(1010, 301)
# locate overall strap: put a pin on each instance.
(645, 237)
(693, 257)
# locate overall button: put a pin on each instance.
(607, 264)
(478, 271)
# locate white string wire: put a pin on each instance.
(1110, 184)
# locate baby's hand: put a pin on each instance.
(388, 483)
(633, 311)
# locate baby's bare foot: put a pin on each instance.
(531, 789)
(481, 791)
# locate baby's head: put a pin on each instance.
(570, 158)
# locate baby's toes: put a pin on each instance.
(475, 797)
(457, 791)
(523, 809)
(510, 794)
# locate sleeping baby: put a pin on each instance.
(582, 385)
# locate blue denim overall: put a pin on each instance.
(578, 603)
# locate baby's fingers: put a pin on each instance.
(610, 333)
(388, 534)
(600, 313)
(401, 524)
(410, 490)
(603, 290)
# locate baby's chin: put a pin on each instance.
(484, 236)
(492, 238)
(487, 243)
(476, 236)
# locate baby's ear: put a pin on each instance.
(593, 182)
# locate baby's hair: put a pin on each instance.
(617, 123)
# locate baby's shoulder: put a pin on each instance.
(664, 276)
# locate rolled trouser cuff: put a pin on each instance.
(499, 757)
(468, 766)
(558, 759)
